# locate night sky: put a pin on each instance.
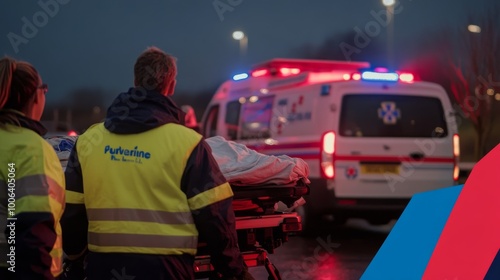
(95, 43)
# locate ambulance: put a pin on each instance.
(372, 138)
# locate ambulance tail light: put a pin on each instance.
(328, 155)
(456, 156)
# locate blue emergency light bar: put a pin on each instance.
(380, 76)
(241, 76)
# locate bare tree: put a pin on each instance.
(475, 75)
(467, 65)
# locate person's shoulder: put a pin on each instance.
(51, 164)
(27, 139)
(30, 145)
(94, 131)
(185, 131)
(30, 153)
(94, 127)
(182, 134)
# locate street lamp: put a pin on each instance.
(474, 28)
(240, 36)
(389, 8)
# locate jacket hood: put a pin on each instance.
(36, 126)
(139, 110)
(25, 122)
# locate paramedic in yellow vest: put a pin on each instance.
(31, 179)
(142, 188)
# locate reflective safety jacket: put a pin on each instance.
(145, 185)
(31, 202)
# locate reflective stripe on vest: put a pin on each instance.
(139, 215)
(57, 258)
(36, 185)
(142, 240)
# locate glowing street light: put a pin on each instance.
(388, 3)
(240, 36)
(474, 28)
(389, 10)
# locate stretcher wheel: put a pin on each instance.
(73, 271)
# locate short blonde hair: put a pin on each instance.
(154, 69)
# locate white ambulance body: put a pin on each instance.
(371, 139)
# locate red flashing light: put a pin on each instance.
(259, 73)
(287, 67)
(325, 77)
(72, 133)
(285, 71)
(346, 77)
(356, 76)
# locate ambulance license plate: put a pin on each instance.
(371, 168)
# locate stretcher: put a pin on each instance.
(260, 226)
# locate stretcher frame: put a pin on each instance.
(260, 229)
(260, 233)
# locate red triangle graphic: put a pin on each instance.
(471, 237)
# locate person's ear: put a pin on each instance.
(171, 88)
(36, 98)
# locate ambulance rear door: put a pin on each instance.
(393, 140)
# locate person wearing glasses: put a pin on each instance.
(32, 186)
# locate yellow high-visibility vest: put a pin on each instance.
(132, 193)
(31, 183)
